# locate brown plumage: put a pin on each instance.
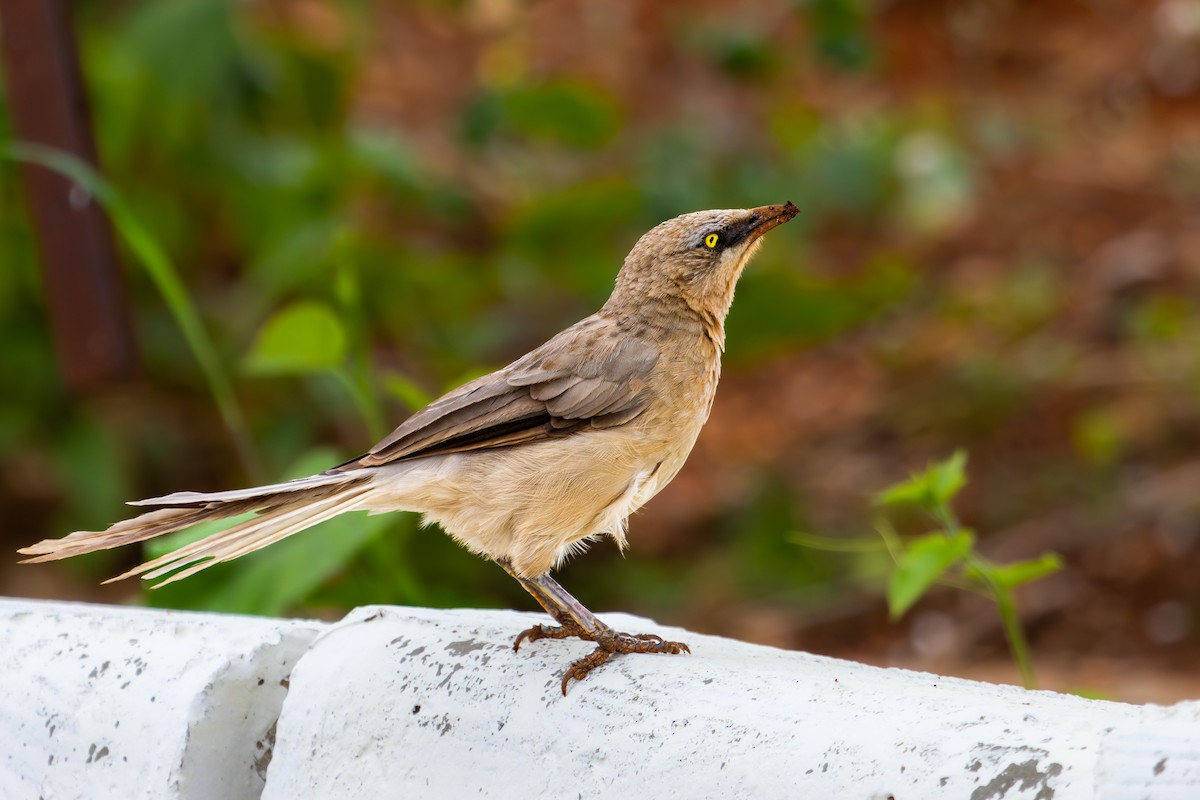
(525, 464)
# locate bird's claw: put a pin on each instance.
(565, 631)
(580, 669)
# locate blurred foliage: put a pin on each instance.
(560, 112)
(366, 204)
(839, 32)
(245, 162)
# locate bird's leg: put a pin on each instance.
(572, 618)
(575, 620)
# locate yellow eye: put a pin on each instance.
(711, 240)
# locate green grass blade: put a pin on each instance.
(837, 544)
(166, 279)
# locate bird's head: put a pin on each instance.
(697, 257)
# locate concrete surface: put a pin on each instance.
(114, 702)
(409, 702)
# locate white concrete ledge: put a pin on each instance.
(118, 702)
(402, 702)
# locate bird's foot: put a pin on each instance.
(610, 642)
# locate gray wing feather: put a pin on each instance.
(551, 388)
(590, 375)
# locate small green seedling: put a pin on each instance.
(947, 555)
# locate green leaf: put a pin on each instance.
(1009, 576)
(931, 489)
(925, 559)
(303, 338)
(948, 477)
(914, 491)
(572, 113)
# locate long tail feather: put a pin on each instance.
(138, 529)
(254, 534)
(282, 510)
(254, 493)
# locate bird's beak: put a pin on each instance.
(762, 219)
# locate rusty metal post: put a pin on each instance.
(84, 290)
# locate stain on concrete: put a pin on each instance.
(465, 647)
(264, 749)
(1027, 775)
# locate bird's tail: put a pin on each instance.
(281, 510)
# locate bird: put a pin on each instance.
(530, 463)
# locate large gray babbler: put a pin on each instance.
(528, 463)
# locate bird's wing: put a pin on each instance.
(589, 376)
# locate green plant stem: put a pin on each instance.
(358, 377)
(165, 278)
(372, 409)
(1006, 605)
(891, 539)
(834, 544)
(364, 401)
